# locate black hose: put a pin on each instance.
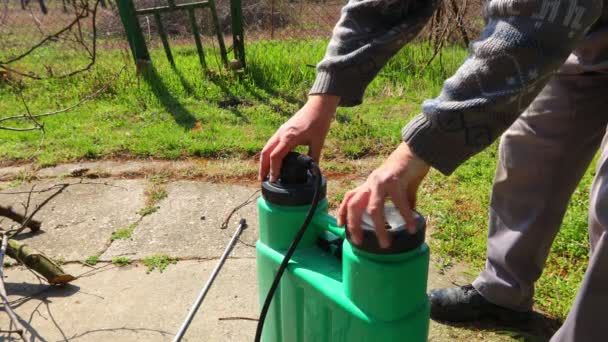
(290, 251)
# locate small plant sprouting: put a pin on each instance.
(121, 261)
(92, 260)
(123, 233)
(147, 210)
(158, 261)
(158, 194)
(161, 177)
(155, 191)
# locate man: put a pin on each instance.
(543, 154)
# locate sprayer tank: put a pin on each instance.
(341, 293)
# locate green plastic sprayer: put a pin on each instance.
(333, 290)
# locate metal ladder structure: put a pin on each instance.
(129, 17)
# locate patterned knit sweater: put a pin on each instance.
(523, 44)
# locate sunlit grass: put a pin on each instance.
(185, 112)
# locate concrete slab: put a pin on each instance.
(110, 167)
(103, 168)
(4, 185)
(79, 222)
(10, 172)
(212, 170)
(126, 304)
(187, 225)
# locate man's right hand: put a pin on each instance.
(309, 126)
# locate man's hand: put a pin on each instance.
(398, 178)
(308, 126)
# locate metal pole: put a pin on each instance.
(135, 37)
(218, 32)
(201, 296)
(238, 36)
(197, 38)
(163, 38)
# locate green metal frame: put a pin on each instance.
(136, 39)
(238, 34)
(128, 15)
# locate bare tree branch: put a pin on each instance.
(83, 14)
(57, 186)
(82, 11)
(20, 73)
(4, 12)
(34, 117)
(26, 220)
(14, 232)
(9, 331)
(459, 20)
(9, 213)
(15, 129)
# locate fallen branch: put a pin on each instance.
(24, 224)
(37, 261)
(7, 307)
(8, 212)
(57, 186)
(9, 331)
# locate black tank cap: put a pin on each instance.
(295, 186)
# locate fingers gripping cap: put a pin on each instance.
(295, 185)
(401, 240)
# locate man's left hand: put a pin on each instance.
(397, 178)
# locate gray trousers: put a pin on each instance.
(542, 158)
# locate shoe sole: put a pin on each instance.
(497, 314)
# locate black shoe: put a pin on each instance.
(462, 304)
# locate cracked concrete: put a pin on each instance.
(188, 223)
(79, 222)
(127, 304)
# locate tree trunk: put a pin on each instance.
(38, 262)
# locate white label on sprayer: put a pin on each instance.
(392, 216)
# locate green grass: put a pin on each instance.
(92, 260)
(121, 261)
(158, 262)
(123, 233)
(184, 113)
(148, 210)
(157, 194)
